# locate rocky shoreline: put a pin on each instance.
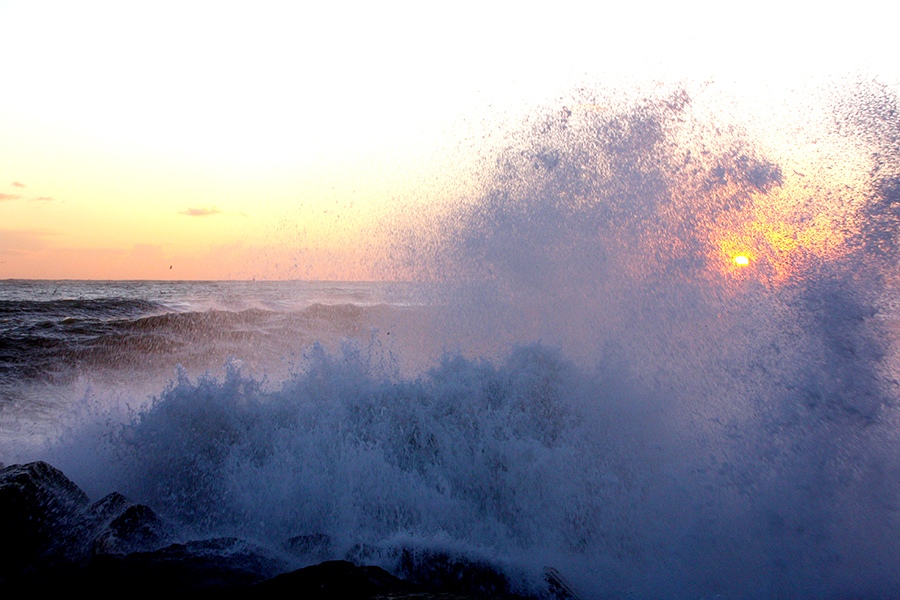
(52, 538)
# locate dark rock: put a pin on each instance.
(336, 579)
(113, 525)
(453, 574)
(557, 586)
(440, 572)
(52, 541)
(107, 508)
(39, 507)
(136, 529)
(216, 564)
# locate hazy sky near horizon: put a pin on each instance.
(206, 140)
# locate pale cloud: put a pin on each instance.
(29, 198)
(17, 184)
(205, 211)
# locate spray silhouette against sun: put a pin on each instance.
(640, 369)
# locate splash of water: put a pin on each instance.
(685, 426)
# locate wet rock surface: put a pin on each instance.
(216, 564)
(39, 510)
(53, 539)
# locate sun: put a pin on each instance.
(741, 260)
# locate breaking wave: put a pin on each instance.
(611, 392)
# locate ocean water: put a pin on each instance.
(581, 376)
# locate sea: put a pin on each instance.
(576, 371)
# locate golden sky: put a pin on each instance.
(211, 140)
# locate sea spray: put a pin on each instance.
(606, 390)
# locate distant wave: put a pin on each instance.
(54, 340)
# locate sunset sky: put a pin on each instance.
(227, 140)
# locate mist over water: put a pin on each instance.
(599, 388)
